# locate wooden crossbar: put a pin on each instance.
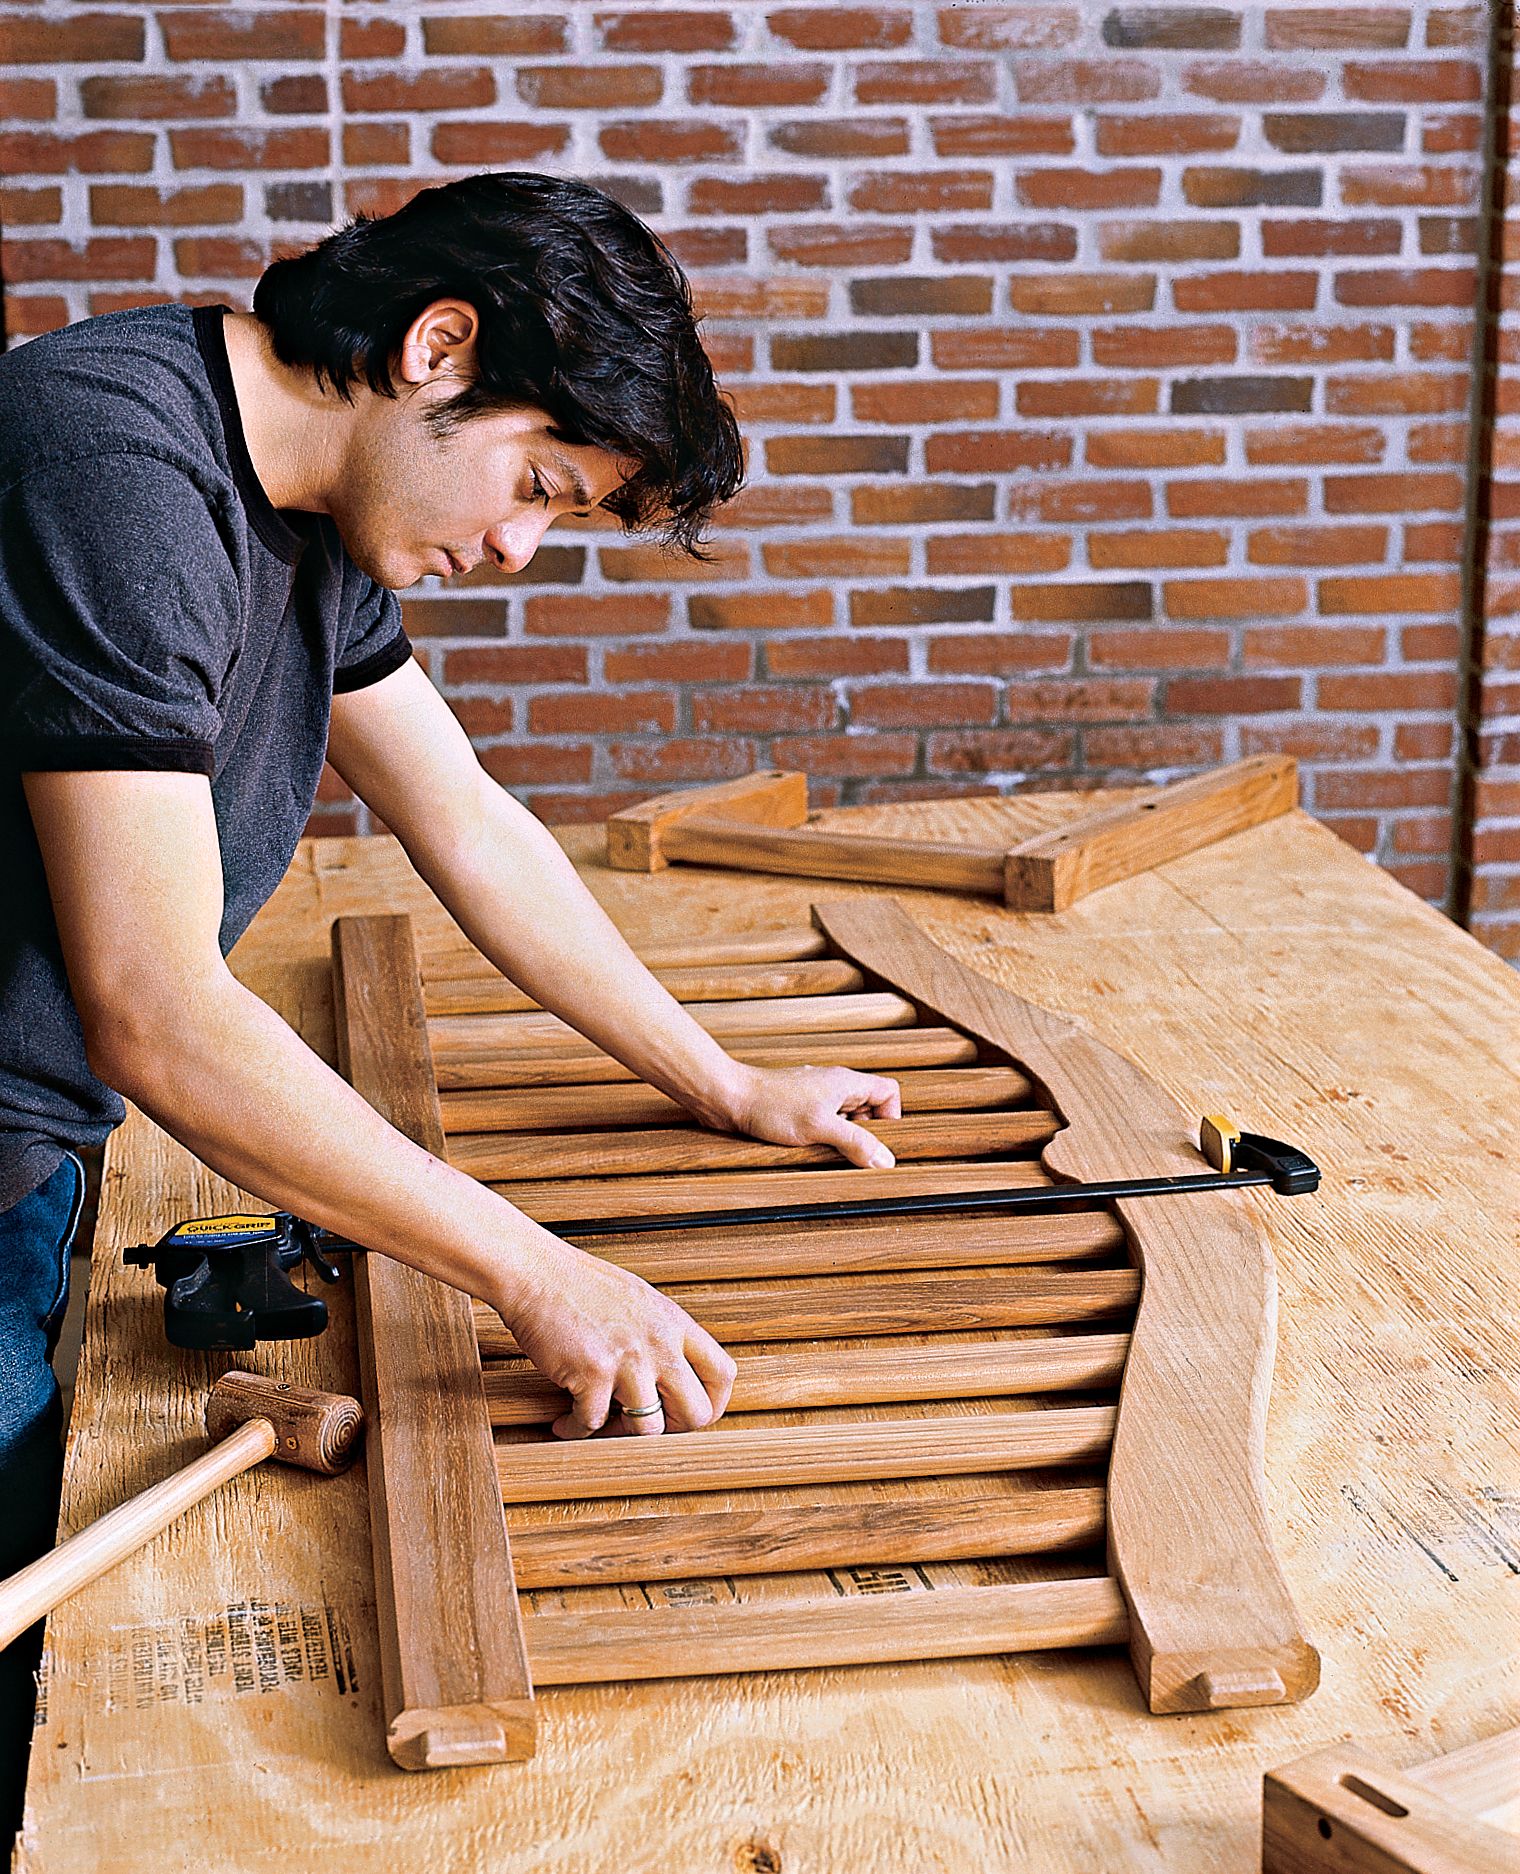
(884, 1050)
(790, 1538)
(733, 982)
(835, 1308)
(860, 1630)
(775, 1382)
(507, 1156)
(554, 1109)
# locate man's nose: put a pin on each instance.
(513, 543)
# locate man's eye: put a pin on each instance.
(540, 492)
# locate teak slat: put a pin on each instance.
(814, 852)
(736, 982)
(549, 1109)
(1212, 1620)
(445, 959)
(861, 1247)
(855, 1630)
(560, 1202)
(456, 1683)
(1340, 1811)
(1052, 870)
(819, 1453)
(775, 1382)
(540, 1033)
(506, 1156)
(900, 1304)
(784, 1539)
(879, 1050)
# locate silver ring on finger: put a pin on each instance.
(643, 1412)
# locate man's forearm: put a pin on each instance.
(517, 896)
(234, 1083)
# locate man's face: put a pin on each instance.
(410, 502)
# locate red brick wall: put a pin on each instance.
(1105, 369)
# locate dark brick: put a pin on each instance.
(1448, 234)
(922, 502)
(1130, 598)
(638, 195)
(899, 297)
(845, 351)
(1005, 240)
(1173, 29)
(1301, 133)
(1253, 188)
(301, 94)
(924, 605)
(837, 455)
(299, 201)
(1234, 396)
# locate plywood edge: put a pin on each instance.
(1339, 1811)
(456, 1682)
(1213, 1623)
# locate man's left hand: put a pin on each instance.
(818, 1106)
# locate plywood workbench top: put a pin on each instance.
(214, 1703)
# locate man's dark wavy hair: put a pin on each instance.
(583, 314)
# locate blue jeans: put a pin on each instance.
(35, 1238)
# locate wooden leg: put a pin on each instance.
(456, 1683)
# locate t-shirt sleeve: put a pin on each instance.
(376, 644)
(119, 616)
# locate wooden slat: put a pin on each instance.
(816, 1453)
(775, 1382)
(1052, 870)
(585, 1648)
(1213, 1621)
(839, 1308)
(552, 1201)
(816, 852)
(698, 1543)
(445, 959)
(865, 1246)
(455, 1673)
(506, 1156)
(881, 1050)
(734, 982)
(550, 1109)
(539, 1033)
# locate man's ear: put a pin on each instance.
(440, 343)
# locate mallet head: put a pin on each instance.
(317, 1430)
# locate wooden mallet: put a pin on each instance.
(253, 1418)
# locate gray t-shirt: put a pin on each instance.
(156, 612)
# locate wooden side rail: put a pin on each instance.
(1211, 1620)
(454, 1667)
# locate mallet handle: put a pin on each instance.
(39, 1587)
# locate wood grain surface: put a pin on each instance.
(1277, 977)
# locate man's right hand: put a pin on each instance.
(614, 1342)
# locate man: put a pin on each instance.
(203, 520)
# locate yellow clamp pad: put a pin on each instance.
(1217, 1139)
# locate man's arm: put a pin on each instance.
(519, 899)
(134, 870)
